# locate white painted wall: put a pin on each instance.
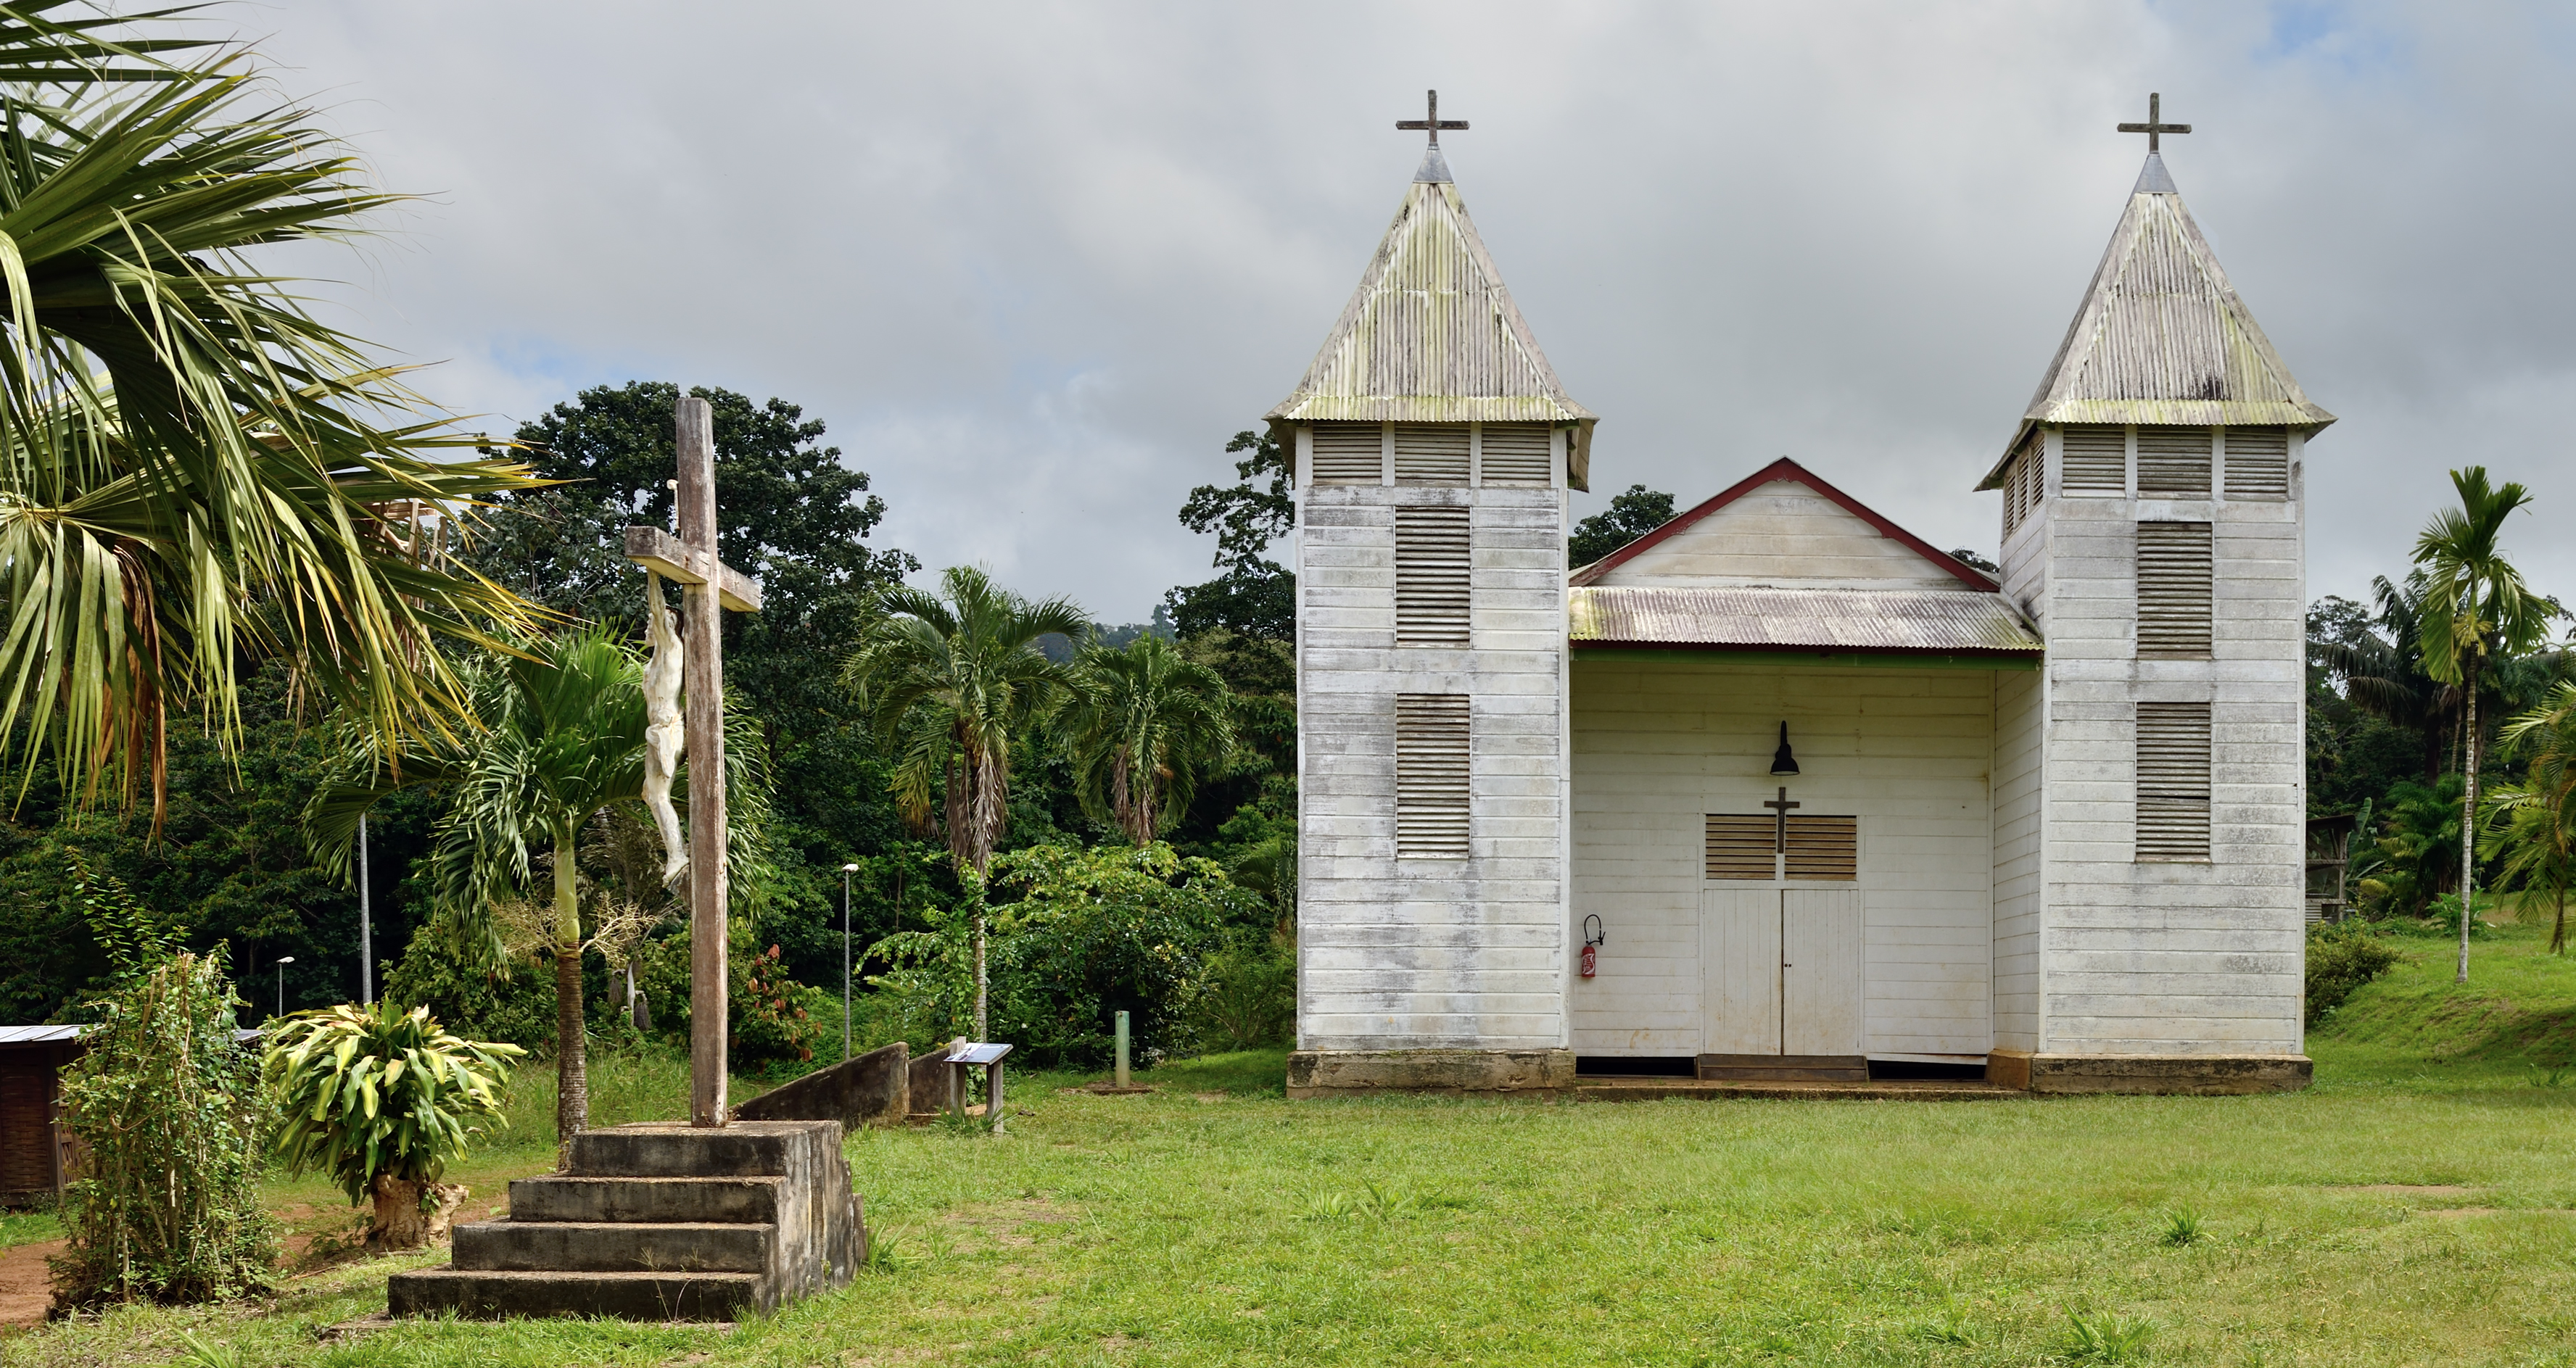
(1785, 535)
(1411, 953)
(1660, 743)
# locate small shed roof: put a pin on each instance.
(1864, 621)
(37, 1035)
(1432, 334)
(2162, 337)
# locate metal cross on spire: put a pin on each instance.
(1431, 123)
(2155, 127)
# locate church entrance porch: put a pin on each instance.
(1783, 996)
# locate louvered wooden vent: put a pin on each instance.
(2173, 781)
(1431, 576)
(2173, 462)
(1822, 847)
(1431, 454)
(2258, 463)
(2096, 463)
(2025, 480)
(1517, 454)
(2173, 590)
(1431, 776)
(1350, 453)
(1742, 847)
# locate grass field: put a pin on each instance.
(2417, 1206)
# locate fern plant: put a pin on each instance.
(381, 1098)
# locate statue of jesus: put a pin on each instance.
(666, 733)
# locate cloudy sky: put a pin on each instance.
(1034, 263)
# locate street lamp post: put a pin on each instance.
(366, 919)
(846, 871)
(282, 962)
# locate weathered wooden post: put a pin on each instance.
(1122, 1050)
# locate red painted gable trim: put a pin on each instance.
(1786, 469)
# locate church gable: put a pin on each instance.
(1784, 528)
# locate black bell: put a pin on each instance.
(1782, 762)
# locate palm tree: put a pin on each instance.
(2474, 605)
(952, 679)
(2539, 814)
(2386, 677)
(557, 738)
(1139, 725)
(192, 472)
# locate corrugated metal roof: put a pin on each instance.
(2162, 337)
(1431, 335)
(37, 1035)
(1944, 621)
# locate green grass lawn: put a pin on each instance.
(2417, 1206)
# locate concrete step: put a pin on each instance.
(486, 1294)
(752, 1201)
(748, 1150)
(615, 1247)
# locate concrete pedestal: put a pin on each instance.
(660, 1222)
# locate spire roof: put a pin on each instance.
(1432, 335)
(2162, 337)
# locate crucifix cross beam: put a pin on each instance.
(1780, 818)
(708, 586)
(2155, 127)
(1431, 122)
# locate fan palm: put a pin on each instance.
(192, 470)
(2539, 814)
(2474, 606)
(1139, 724)
(557, 737)
(952, 678)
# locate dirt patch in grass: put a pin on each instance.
(1005, 1223)
(2412, 1189)
(25, 1289)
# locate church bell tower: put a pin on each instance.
(1434, 448)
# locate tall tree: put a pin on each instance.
(1256, 596)
(559, 738)
(953, 678)
(195, 472)
(2386, 670)
(1141, 723)
(1630, 515)
(2474, 606)
(2539, 814)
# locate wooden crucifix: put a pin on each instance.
(708, 586)
(1780, 818)
(1433, 123)
(2155, 127)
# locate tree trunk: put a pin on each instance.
(409, 1213)
(2558, 937)
(572, 1077)
(2468, 812)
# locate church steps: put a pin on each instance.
(615, 1247)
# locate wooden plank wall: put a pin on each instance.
(2167, 957)
(1657, 745)
(1415, 953)
(2020, 705)
(1783, 533)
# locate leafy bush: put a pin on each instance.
(379, 1098)
(166, 1105)
(773, 1021)
(1249, 999)
(2341, 957)
(518, 1009)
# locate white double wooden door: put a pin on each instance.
(1782, 970)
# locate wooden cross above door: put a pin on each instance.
(1780, 809)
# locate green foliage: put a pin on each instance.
(1248, 999)
(2182, 1227)
(2417, 850)
(2342, 956)
(1630, 515)
(134, 937)
(379, 1090)
(773, 1022)
(513, 1003)
(2105, 1337)
(167, 1105)
(1255, 597)
(1140, 724)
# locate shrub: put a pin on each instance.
(773, 1022)
(1250, 997)
(2342, 957)
(378, 1097)
(166, 1105)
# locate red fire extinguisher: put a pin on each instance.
(1592, 938)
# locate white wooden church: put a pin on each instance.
(1780, 791)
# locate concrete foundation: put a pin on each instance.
(874, 1089)
(660, 1222)
(1341, 1073)
(2171, 1075)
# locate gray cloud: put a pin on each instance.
(1034, 263)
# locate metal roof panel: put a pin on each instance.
(1944, 621)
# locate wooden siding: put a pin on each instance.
(2168, 956)
(2019, 709)
(1787, 536)
(1659, 746)
(1411, 953)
